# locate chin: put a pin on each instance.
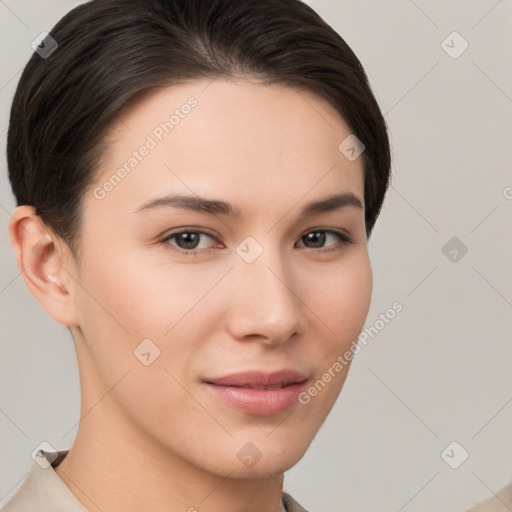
(262, 469)
(260, 459)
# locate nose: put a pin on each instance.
(265, 303)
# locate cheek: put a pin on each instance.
(144, 297)
(342, 304)
(341, 300)
(124, 305)
(135, 300)
(128, 300)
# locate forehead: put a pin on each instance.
(227, 138)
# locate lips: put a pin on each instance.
(257, 392)
(260, 379)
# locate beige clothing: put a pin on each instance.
(44, 491)
(502, 502)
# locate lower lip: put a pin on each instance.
(260, 402)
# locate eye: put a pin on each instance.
(187, 241)
(318, 237)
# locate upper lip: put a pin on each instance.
(260, 378)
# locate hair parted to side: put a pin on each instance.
(110, 51)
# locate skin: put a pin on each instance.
(152, 437)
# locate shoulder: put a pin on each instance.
(291, 505)
(43, 490)
(501, 502)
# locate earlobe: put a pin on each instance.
(43, 265)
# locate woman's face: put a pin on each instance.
(168, 324)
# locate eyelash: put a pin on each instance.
(343, 238)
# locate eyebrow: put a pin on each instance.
(217, 207)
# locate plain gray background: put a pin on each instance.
(438, 372)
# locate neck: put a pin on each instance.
(104, 479)
(114, 466)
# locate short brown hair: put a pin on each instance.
(109, 51)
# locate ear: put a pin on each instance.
(45, 263)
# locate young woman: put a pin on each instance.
(196, 182)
